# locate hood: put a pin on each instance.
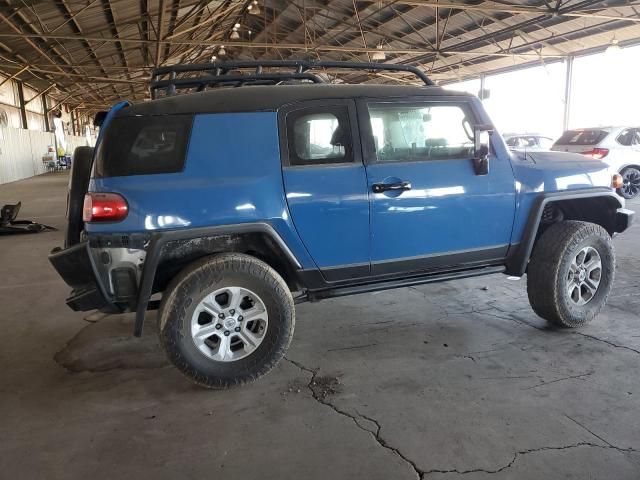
(558, 171)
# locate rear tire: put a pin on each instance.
(226, 320)
(631, 186)
(571, 273)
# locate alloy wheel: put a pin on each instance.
(631, 183)
(584, 276)
(229, 324)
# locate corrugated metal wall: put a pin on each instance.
(21, 152)
(73, 142)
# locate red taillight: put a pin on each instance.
(597, 153)
(104, 207)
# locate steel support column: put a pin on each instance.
(45, 109)
(73, 122)
(482, 91)
(568, 80)
(23, 111)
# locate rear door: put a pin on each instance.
(428, 207)
(326, 187)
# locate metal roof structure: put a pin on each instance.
(92, 53)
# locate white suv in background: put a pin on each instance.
(619, 147)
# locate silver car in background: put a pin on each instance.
(619, 147)
(528, 142)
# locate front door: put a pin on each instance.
(326, 187)
(429, 209)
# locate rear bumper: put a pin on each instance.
(77, 268)
(624, 219)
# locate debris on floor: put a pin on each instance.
(10, 226)
(325, 386)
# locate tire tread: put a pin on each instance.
(544, 269)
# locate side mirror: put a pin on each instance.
(481, 136)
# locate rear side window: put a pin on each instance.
(545, 142)
(582, 137)
(143, 145)
(629, 137)
(319, 135)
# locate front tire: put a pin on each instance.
(226, 320)
(571, 273)
(631, 183)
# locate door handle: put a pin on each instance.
(384, 187)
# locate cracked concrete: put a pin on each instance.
(443, 381)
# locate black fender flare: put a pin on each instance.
(519, 258)
(158, 240)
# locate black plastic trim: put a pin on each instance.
(483, 255)
(346, 272)
(342, 276)
(78, 269)
(403, 282)
(517, 264)
(160, 239)
(624, 219)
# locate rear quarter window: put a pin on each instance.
(582, 137)
(143, 145)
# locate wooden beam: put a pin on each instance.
(515, 10)
(159, 40)
(39, 94)
(73, 16)
(60, 102)
(288, 46)
(8, 79)
(27, 38)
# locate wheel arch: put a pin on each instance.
(169, 252)
(597, 206)
(629, 165)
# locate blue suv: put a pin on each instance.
(234, 204)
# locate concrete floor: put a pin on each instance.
(441, 381)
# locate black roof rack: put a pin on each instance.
(227, 73)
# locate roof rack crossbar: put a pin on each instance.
(218, 73)
(222, 79)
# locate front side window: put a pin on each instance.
(319, 136)
(405, 132)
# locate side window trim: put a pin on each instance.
(369, 152)
(310, 104)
